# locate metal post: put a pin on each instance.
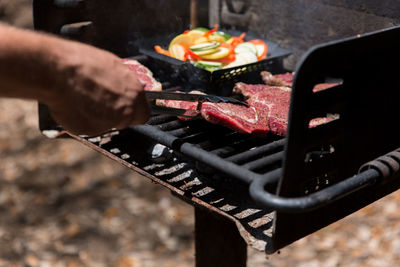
(194, 19)
(214, 12)
(218, 242)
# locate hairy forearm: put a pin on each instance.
(87, 89)
(29, 64)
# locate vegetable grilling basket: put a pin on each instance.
(219, 82)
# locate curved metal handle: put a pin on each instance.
(314, 200)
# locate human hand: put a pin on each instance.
(96, 92)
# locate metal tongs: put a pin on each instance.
(154, 95)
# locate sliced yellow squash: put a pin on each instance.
(201, 40)
(177, 51)
(184, 38)
(220, 53)
(195, 34)
(216, 38)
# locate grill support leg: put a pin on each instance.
(218, 242)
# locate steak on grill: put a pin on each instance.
(271, 103)
(274, 103)
(192, 107)
(268, 109)
(144, 75)
(286, 79)
(251, 119)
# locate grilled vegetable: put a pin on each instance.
(246, 47)
(222, 34)
(160, 50)
(214, 49)
(262, 48)
(204, 46)
(177, 51)
(208, 65)
(221, 53)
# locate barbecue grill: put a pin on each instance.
(267, 191)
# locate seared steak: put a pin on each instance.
(144, 75)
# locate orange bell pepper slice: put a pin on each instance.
(237, 39)
(162, 51)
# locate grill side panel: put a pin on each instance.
(367, 127)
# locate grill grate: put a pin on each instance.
(192, 182)
(259, 155)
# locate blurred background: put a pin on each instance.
(65, 205)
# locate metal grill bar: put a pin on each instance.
(268, 148)
(235, 147)
(169, 126)
(264, 162)
(181, 132)
(160, 119)
(197, 153)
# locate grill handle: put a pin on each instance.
(370, 173)
(314, 200)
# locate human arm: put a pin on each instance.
(87, 90)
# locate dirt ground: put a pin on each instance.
(64, 205)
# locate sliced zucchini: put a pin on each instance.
(246, 47)
(204, 46)
(211, 64)
(206, 52)
(208, 65)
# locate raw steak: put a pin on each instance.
(251, 120)
(323, 86)
(192, 107)
(285, 79)
(144, 75)
(271, 102)
(268, 110)
(236, 117)
(274, 103)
